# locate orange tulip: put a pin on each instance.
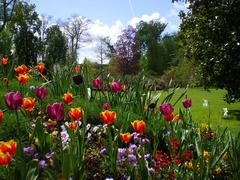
(22, 78)
(21, 69)
(77, 69)
(67, 98)
(5, 61)
(41, 67)
(138, 126)
(1, 116)
(75, 113)
(169, 117)
(125, 137)
(108, 117)
(28, 104)
(72, 125)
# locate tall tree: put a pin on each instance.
(56, 45)
(6, 12)
(25, 25)
(211, 31)
(5, 43)
(128, 52)
(149, 36)
(76, 29)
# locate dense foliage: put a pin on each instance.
(211, 31)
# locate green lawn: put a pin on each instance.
(216, 105)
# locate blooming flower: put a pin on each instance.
(168, 117)
(125, 137)
(187, 155)
(42, 164)
(40, 67)
(65, 138)
(77, 69)
(7, 151)
(28, 150)
(205, 103)
(1, 115)
(21, 69)
(67, 98)
(72, 125)
(177, 117)
(75, 113)
(166, 109)
(5, 61)
(28, 104)
(115, 87)
(13, 100)
(55, 111)
(49, 155)
(106, 106)
(138, 126)
(41, 92)
(22, 78)
(205, 154)
(132, 159)
(108, 117)
(187, 103)
(97, 83)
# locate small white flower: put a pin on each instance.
(205, 103)
(225, 111)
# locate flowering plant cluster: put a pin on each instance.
(99, 128)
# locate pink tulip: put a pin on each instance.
(187, 103)
(166, 109)
(106, 106)
(97, 83)
(115, 87)
(13, 100)
(41, 92)
(55, 111)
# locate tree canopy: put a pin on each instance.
(211, 33)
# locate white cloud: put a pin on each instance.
(154, 16)
(99, 29)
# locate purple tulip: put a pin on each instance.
(187, 103)
(55, 111)
(166, 109)
(97, 83)
(41, 92)
(106, 106)
(115, 87)
(13, 100)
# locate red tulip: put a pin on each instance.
(187, 103)
(97, 83)
(41, 92)
(75, 113)
(55, 111)
(41, 67)
(67, 98)
(21, 69)
(125, 137)
(138, 126)
(166, 109)
(115, 87)
(1, 116)
(13, 100)
(106, 106)
(108, 117)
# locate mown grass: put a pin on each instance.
(216, 105)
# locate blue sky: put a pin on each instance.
(110, 17)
